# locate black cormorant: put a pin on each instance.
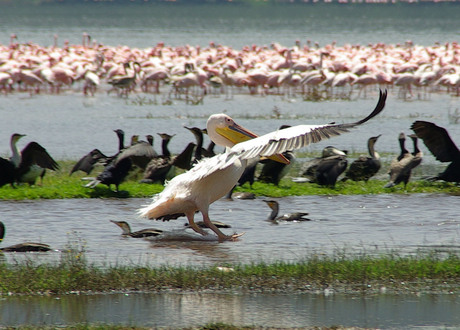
(365, 167)
(401, 166)
(27, 165)
(441, 145)
(96, 157)
(125, 227)
(22, 247)
(296, 216)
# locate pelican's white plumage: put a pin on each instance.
(212, 178)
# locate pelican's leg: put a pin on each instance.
(221, 235)
(193, 225)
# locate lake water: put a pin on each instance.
(69, 125)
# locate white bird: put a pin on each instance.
(212, 178)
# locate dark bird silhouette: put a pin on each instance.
(22, 247)
(113, 174)
(274, 206)
(125, 84)
(96, 157)
(27, 165)
(117, 168)
(200, 152)
(126, 228)
(273, 171)
(365, 167)
(441, 145)
(159, 166)
(401, 167)
(201, 224)
(140, 153)
(309, 168)
(7, 172)
(329, 169)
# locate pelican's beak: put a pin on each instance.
(236, 134)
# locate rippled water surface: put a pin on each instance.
(370, 224)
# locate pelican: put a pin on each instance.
(438, 141)
(212, 178)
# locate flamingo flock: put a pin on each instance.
(190, 73)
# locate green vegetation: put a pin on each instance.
(58, 185)
(73, 274)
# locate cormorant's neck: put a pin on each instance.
(16, 155)
(164, 148)
(274, 213)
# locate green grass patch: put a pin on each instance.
(59, 184)
(73, 274)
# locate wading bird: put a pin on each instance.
(22, 247)
(309, 168)
(365, 167)
(275, 207)
(401, 166)
(27, 165)
(96, 157)
(126, 228)
(212, 178)
(438, 141)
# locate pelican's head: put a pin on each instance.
(223, 131)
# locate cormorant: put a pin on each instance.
(329, 169)
(365, 167)
(22, 247)
(125, 227)
(159, 166)
(296, 216)
(441, 145)
(201, 224)
(273, 171)
(27, 165)
(96, 157)
(113, 174)
(309, 168)
(401, 166)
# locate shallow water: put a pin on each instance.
(357, 224)
(268, 310)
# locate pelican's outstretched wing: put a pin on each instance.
(297, 137)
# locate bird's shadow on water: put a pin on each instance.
(104, 192)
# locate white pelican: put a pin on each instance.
(212, 178)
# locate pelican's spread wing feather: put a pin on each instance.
(297, 137)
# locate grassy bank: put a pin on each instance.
(432, 272)
(59, 184)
